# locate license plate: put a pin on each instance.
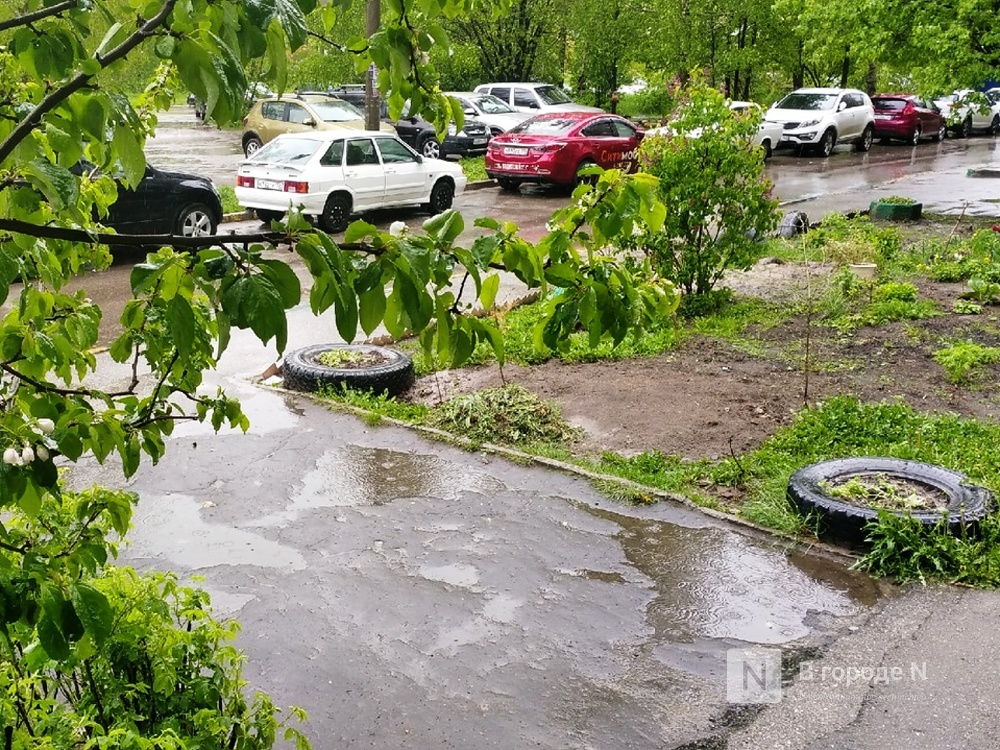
(883, 117)
(478, 141)
(514, 151)
(270, 184)
(513, 167)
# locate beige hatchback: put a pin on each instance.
(299, 113)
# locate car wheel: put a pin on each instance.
(940, 134)
(995, 126)
(827, 142)
(867, 136)
(442, 196)
(808, 490)
(268, 216)
(915, 136)
(195, 220)
(965, 129)
(336, 213)
(590, 179)
(386, 371)
(509, 184)
(768, 151)
(430, 148)
(252, 145)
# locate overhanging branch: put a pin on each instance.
(38, 15)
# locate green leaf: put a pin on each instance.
(253, 302)
(57, 184)
(94, 611)
(491, 285)
(51, 638)
(284, 279)
(445, 227)
(180, 320)
(358, 230)
(371, 308)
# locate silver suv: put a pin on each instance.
(821, 118)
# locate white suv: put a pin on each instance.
(534, 98)
(822, 118)
(967, 110)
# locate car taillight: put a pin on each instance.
(245, 119)
(548, 148)
(296, 187)
(242, 181)
(908, 109)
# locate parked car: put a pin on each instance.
(471, 140)
(534, 98)
(965, 114)
(821, 118)
(332, 174)
(907, 117)
(768, 134)
(553, 147)
(298, 113)
(497, 115)
(163, 203)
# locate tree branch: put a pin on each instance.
(38, 15)
(81, 80)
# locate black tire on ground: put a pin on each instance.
(768, 151)
(336, 213)
(827, 142)
(251, 145)
(195, 220)
(940, 134)
(914, 138)
(995, 125)
(442, 197)
(268, 216)
(864, 144)
(301, 370)
(967, 503)
(793, 223)
(509, 184)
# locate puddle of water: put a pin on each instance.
(712, 583)
(458, 574)
(171, 527)
(360, 476)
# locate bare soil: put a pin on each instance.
(708, 398)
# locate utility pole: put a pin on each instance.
(372, 22)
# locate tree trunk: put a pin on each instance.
(845, 68)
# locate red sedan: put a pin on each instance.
(907, 117)
(553, 147)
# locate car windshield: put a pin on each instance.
(891, 104)
(337, 111)
(291, 151)
(544, 126)
(807, 101)
(552, 95)
(490, 105)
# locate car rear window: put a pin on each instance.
(894, 105)
(490, 105)
(291, 151)
(552, 95)
(546, 126)
(808, 101)
(337, 111)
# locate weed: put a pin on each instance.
(960, 359)
(510, 414)
(964, 307)
(341, 358)
(379, 405)
(983, 290)
(229, 203)
(880, 491)
(905, 549)
(896, 200)
(474, 168)
(891, 290)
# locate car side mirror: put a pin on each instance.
(842, 106)
(420, 159)
(470, 111)
(310, 122)
(534, 105)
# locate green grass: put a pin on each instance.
(474, 168)
(229, 203)
(962, 359)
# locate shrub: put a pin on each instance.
(712, 181)
(961, 358)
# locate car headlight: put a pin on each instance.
(808, 123)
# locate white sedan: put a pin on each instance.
(330, 175)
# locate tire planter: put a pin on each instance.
(845, 522)
(896, 211)
(392, 375)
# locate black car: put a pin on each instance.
(164, 203)
(471, 140)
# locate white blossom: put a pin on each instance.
(46, 425)
(28, 454)
(42, 452)
(398, 228)
(11, 456)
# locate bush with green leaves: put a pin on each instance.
(711, 179)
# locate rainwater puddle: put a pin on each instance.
(357, 476)
(170, 527)
(712, 583)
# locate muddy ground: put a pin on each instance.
(708, 397)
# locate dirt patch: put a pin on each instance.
(708, 398)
